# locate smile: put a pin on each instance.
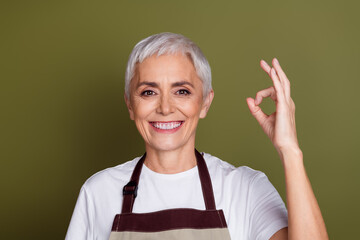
(166, 125)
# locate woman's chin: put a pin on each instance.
(166, 146)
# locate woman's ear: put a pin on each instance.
(128, 104)
(206, 104)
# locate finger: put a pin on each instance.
(256, 111)
(265, 93)
(283, 78)
(277, 84)
(265, 67)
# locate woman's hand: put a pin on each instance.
(305, 220)
(280, 125)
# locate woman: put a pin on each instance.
(173, 191)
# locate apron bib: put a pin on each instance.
(175, 224)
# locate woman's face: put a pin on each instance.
(166, 101)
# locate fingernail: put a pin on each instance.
(276, 60)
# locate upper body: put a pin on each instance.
(252, 207)
(168, 90)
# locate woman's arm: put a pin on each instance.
(305, 220)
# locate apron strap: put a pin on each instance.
(130, 189)
(205, 180)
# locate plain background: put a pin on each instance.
(63, 117)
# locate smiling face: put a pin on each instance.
(166, 102)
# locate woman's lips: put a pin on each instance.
(166, 127)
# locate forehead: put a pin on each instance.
(170, 66)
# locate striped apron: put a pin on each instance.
(177, 223)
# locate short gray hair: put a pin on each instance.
(168, 43)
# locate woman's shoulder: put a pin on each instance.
(120, 173)
(218, 166)
(239, 181)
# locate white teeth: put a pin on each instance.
(166, 126)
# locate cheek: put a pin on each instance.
(141, 113)
(190, 108)
(142, 109)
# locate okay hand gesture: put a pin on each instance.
(280, 125)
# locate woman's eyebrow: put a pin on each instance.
(181, 83)
(151, 84)
(176, 84)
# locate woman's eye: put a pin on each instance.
(183, 92)
(147, 93)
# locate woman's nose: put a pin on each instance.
(166, 105)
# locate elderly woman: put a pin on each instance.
(175, 192)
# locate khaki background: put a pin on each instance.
(63, 117)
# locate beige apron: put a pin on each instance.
(174, 224)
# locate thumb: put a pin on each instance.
(256, 111)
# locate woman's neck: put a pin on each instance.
(170, 162)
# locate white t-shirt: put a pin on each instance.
(252, 207)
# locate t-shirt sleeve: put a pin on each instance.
(268, 211)
(80, 227)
